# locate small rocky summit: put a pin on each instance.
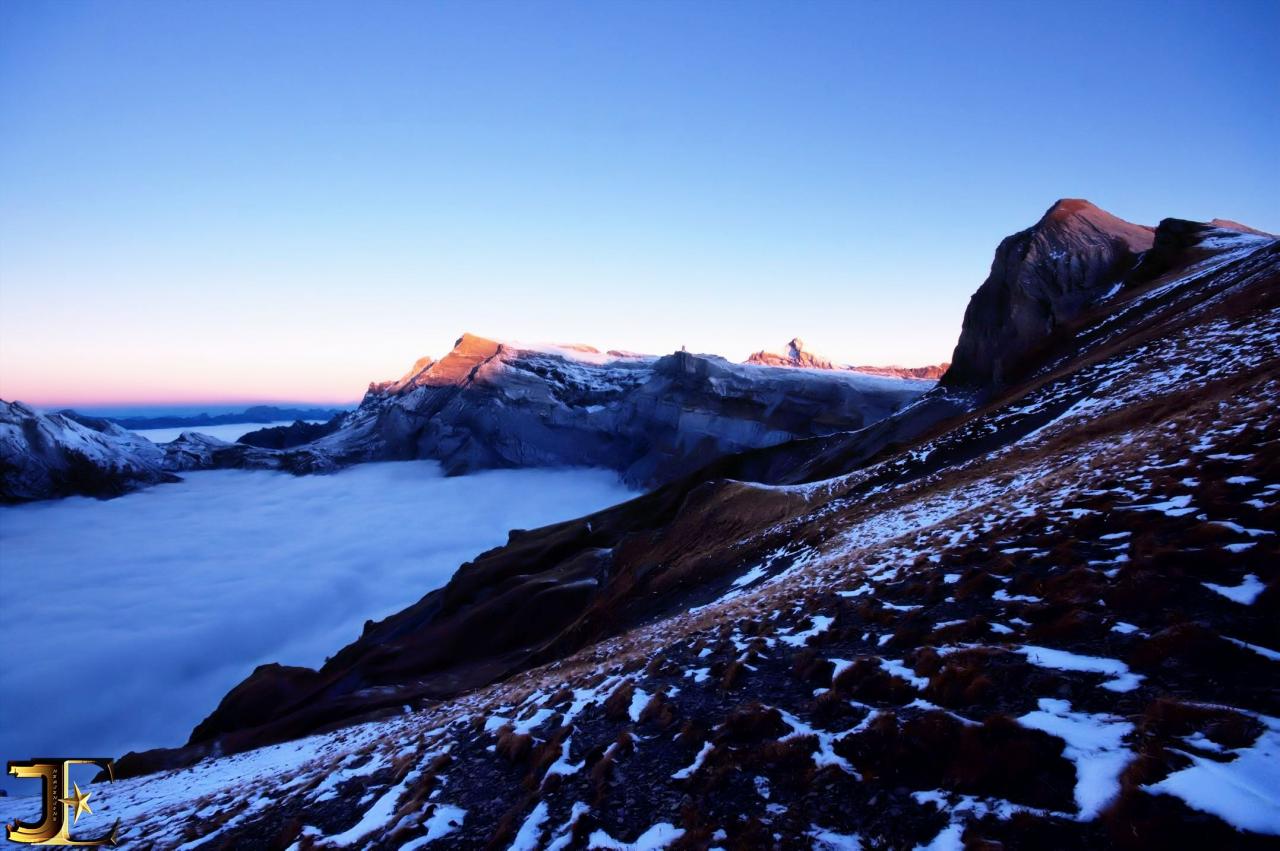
(796, 355)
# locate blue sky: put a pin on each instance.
(283, 200)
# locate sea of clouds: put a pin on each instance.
(230, 433)
(127, 620)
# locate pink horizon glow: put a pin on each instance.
(79, 396)
(53, 403)
(81, 376)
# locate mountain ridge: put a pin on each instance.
(490, 404)
(796, 355)
(252, 414)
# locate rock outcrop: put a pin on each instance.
(193, 450)
(1041, 279)
(795, 355)
(289, 436)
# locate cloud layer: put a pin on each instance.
(129, 619)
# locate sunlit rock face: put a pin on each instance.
(795, 355)
(494, 404)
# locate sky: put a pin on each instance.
(282, 201)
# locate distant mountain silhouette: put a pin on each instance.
(255, 414)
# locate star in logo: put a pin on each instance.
(80, 800)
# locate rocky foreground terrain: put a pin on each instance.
(1035, 608)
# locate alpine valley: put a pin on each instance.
(1029, 599)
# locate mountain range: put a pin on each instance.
(486, 404)
(250, 415)
(1034, 606)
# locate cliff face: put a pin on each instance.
(492, 404)
(1041, 278)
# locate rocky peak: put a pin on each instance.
(794, 355)
(420, 366)
(1041, 278)
(456, 368)
(44, 455)
(1228, 224)
(1078, 215)
(1179, 242)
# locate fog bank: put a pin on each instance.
(129, 619)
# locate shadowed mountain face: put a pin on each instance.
(969, 600)
(490, 404)
(1042, 278)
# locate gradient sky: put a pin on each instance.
(233, 201)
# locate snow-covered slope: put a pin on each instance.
(44, 455)
(1049, 619)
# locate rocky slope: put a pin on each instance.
(1022, 612)
(795, 355)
